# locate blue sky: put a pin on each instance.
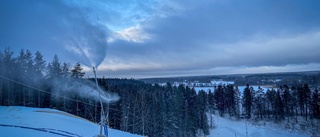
(159, 38)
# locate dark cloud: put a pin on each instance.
(170, 37)
(204, 36)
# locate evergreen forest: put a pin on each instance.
(26, 79)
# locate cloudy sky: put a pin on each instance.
(161, 38)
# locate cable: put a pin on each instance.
(43, 90)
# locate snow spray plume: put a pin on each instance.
(65, 28)
(90, 45)
(84, 89)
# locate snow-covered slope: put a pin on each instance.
(40, 122)
(233, 128)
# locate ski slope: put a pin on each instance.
(232, 128)
(42, 122)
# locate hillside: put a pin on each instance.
(42, 122)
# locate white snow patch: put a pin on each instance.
(43, 122)
(237, 128)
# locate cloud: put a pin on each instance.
(167, 37)
(199, 37)
(132, 34)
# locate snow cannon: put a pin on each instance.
(102, 114)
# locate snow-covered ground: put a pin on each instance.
(41, 122)
(237, 128)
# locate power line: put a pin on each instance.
(44, 91)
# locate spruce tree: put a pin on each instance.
(203, 120)
(316, 104)
(286, 97)
(307, 100)
(279, 107)
(219, 96)
(247, 101)
(259, 103)
(76, 72)
(237, 102)
(54, 69)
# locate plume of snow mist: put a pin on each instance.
(90, 45)
(55, 27)
(84, 90)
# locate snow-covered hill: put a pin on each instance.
(232, 128)
(41, 122)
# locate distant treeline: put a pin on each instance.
(275, 79)
(145, 109)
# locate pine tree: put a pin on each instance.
(316, 104)
(307, 102)
(294, 102)
(22, 75)
(229, 99)
(203, 120)
(1, 74)
(286, 97)
(66, 70)
(259, 102)
(304, 99)
(54, 73)
(178, 105)
(211, 106)
(30, 74)
(25, 74)
(301, 99)
(279, 107)
(54, 69)
(193, 113)
(29, 65)
(237, 102)
(219, 96)
(247, 101)
(270, 97)
(8, 69)
(40, 64)
(76, 72)
(211, 101)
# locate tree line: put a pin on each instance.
(276, 103)
(145, 109)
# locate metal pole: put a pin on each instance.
(102, 111)
(246, 128)
(107, 117)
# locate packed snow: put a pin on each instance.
(226, 127)
(43, 122)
